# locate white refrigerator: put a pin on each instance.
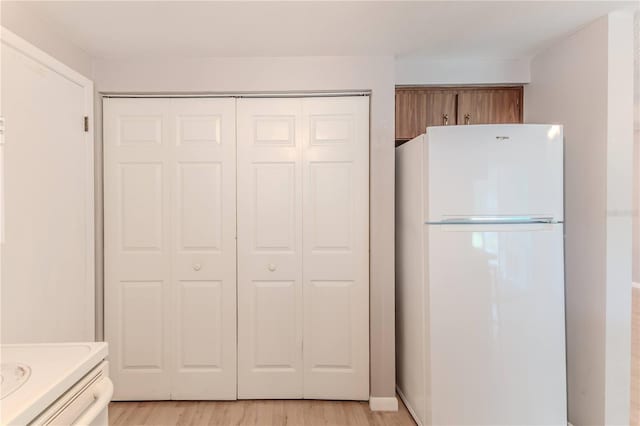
(480, 309)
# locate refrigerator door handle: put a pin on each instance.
(494, 220)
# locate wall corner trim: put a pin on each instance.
(379, 403)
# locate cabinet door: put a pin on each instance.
(269, 248)
(440, 108)
(411, 113)
(490, 106)
(335, 193)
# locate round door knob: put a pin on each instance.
(197, 267)
(272, 267)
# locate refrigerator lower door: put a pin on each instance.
(497, 324)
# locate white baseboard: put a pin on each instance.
(377, 403)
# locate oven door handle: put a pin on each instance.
(102, 396)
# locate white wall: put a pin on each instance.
(583, 82)
(619, 217)
(303, 74)
(19, 19)
(636, 156)
(418, 70)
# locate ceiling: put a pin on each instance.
(451, 29)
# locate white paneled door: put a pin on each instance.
(335, 193)
(301, 213)
(270, 320)
(303, 285)
(170, 253)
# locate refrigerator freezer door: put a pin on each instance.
(497, 333)
(494, 170)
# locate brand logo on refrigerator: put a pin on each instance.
(502, 138)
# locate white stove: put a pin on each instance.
(58, 383)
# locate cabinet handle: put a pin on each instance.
(467, 119)
(445, 119)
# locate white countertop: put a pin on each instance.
(55, 367)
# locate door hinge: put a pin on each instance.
(86, 123)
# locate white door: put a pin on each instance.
(137, 246)
(497, 337)
(48, 236)
(170, 292)
(303, 289)
(203, 249)
(270, 319)
(335, 195)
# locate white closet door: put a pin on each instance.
(303, 280)
(336, 247)
(203, 289)
(269, 248)
(137, 246)
(169, 180)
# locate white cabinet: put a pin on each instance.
(302, 201)
(170, 255)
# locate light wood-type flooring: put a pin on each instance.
(254, 413)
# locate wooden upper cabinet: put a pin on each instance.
(419, 107)
(411, 112)
(441, 108)
(492, 106)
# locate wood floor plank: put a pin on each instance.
(293, 413)
(253, 413)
